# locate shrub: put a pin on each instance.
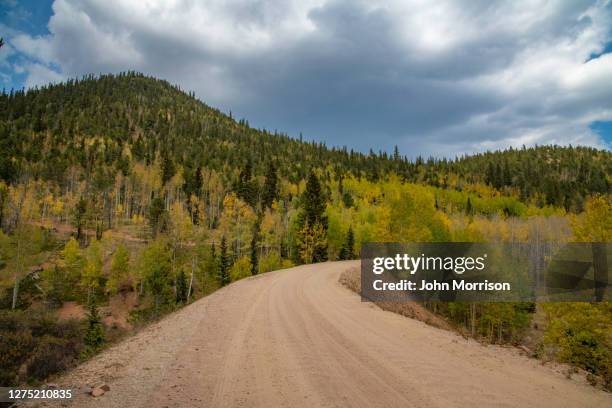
(52, 355)
(579, 334)
(39, 341)
(240, 269)
(270, 262)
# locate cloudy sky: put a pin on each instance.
(432, 77)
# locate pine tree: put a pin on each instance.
(245, 187)
(156, 271)
(157, 215)
(94, 333)
(312, 233)
(181, 287)
(254, 256)
(348, 248)
(313, 201)
(168, 168)
(347, 199)
(469, 210)
(224, 276)
(270, 189)
(79, 217)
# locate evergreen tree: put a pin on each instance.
(246, 187)
(79, 217)
(348, 248)
(156, 270)
(181, 287)
(254, 257)
(312, 224)
(347, 199)
(157, 216)
(270, 189)
(168, 168)
(224, 276)
(94, 333)
(313, 201)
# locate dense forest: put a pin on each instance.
(125, 187)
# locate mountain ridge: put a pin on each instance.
(108, 121)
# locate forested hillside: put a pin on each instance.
(104, 125)
(126, 190)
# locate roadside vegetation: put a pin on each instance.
(124, 190)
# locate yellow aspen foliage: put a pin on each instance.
(92, 272)
(240, 269)
(595, 224)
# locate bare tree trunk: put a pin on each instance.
(15, 292)
(191, 280)
(17, 270)
(600, 268)
(473, 318)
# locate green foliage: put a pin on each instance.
(240, 269)
(158, 216)
(270, 262)
(37, 341)
(246, 186)
(224, 264)
(579, 333)
(595, 224)
(80, 211)
(270, 188)
(92, 271)
(57, 286)
(313, 201)
(154, 265)
(119, 270)
(94, 331)
(348, 248)
(181, 287)
(72, 266)
(312, 224)
(347, 199)
(121, 150)
(46, 131)
(494, 322)
(254, 260)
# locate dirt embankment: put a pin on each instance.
(351, 279)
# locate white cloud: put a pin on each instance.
(39, 75)
(438, 77)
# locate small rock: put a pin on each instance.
(524, 349)
(97, 392)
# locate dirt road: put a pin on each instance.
(297, 338)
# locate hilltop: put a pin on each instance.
(102, 125)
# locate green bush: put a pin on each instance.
(581, 334)
(52, 355)
(39, 341)
(502, 322)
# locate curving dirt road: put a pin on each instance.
(298, 338)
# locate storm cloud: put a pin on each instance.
(441, 78)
